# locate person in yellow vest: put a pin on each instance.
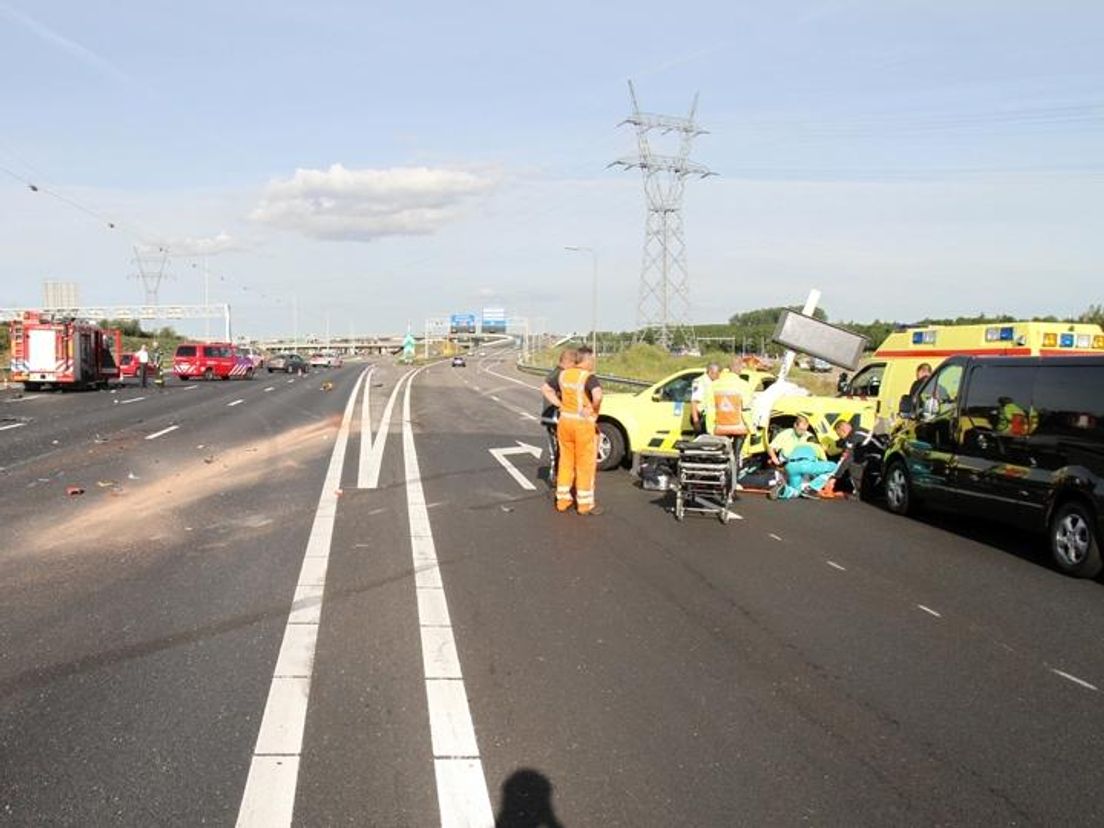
(577, 431)
(701, 393)
(725, 416)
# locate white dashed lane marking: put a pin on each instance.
(1074, 679)
(270, 388)
(774, 536)
(24, 399)
(132, 400)
(835, 565)
(12, 425)
(929, 611)
(162, 432)
(235, 402)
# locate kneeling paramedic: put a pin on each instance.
(577, 431)
(804, 462)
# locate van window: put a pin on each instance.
(216, 351)
(868, 382)
(186, 351)
(1069, 400)
(942, 387)
(1000, 398)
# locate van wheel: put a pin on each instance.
(898, 489)
(611, 446)
(208, 375)
(1073, 541)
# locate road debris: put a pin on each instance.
(73, 491)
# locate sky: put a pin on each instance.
(363, 167)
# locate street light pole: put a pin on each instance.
(593, 296)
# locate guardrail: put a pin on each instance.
(609, 379)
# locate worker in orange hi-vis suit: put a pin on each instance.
(580, 399)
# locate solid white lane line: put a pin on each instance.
(132, 400)
(235, 402)
(365, 431)
(1074, 679)
(835, 565)
(12, 425)
(462, 795)
(368, 476)
(270, 388)
(774, 536)
(511, 379)
(929, 611)
(162, 432)
(269, 796)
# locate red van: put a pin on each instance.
(210, 360)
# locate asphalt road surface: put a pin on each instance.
(278, 604)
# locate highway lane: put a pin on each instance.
(828, 663)
(139, 627)
(830, 624)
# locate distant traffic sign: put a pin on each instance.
(462, 323)
(494, 320)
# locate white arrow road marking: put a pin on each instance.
(499, 454)
(368, 473)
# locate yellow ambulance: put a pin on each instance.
(876, 389)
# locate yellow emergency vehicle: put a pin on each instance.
(876, 389)
(653, 420)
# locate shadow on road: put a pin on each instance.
(526, 801)
(1028, 546)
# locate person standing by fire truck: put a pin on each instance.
(143, 363)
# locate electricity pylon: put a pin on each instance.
(664, 301)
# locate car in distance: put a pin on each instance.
(211, 360)
(459, 362)
(288, 364)
(128, 365)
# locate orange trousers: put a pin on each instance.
(578, 464)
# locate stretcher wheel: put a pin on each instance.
(680, 508)
(724, 515)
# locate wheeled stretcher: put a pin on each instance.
(706, 480)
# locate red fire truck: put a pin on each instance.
(62, 352)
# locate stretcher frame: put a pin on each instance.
(704, 481)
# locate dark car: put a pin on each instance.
(1009, 439)
(459, 362)
(288, 363)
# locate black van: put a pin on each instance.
(1016, 440)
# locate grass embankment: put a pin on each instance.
(651, 363)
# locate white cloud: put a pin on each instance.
(361, 205)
